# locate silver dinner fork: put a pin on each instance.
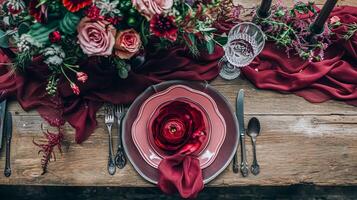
(120, 159)
(109, 121)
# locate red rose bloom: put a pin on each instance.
(39, 13)
(55, 36)
(178, 128)
(165, 27)
(76, 5)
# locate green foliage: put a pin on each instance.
(22, 60)
(191, 43)
(40, 32)
(69, 23)
(52, 83)
(144, 33)
(210, 46)
(4, 39)
(23, 28)
(352, 29)
(221, 40)
(123, 68)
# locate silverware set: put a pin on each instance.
(253, 132)
(112, 112)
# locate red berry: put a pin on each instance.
(55, 36)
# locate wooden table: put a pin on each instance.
(301, 143)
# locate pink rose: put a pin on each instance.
(149, 8)
(127, 44)
(96, 37)
(334, 20)
(82, 77)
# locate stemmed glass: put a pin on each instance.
(245, 41)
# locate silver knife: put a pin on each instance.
(7, 171)
(2, 120)
(240, 116)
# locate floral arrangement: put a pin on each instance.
(290, 28)
(64, 32)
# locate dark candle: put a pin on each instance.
(318, 26)
(264, 9)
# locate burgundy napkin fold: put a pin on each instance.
(333, 78)
(182, 174)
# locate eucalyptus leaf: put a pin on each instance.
(6, 20)
(222, 40)
(123, 73)
(210, 46)
(4, 39)
(192, 38)
(41, 3)
(144, 37)
(23, 28)
(68, 24)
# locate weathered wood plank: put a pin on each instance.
(292, 149)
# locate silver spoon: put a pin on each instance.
(253, 132)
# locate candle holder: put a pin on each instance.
(263, 11)
(318, 26)
(315, 31)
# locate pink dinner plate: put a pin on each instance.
(179, 92)
(224, 154)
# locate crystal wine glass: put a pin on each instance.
(245, 41)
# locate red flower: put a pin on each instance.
(39, 13)
(76, 5)
(75, 89)
(164, 27)
(13, 11)
(178, 128)
(55, 36)
(303, 14)
(82, 77)
(93, 12)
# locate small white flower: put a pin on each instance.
(26, 42)
(54, 55)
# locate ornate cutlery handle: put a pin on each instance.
(120, 159)
(244, 164)
(111, 165)
(7, 171)
(255, 167)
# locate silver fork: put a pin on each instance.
(120, 160)
(109, 121)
